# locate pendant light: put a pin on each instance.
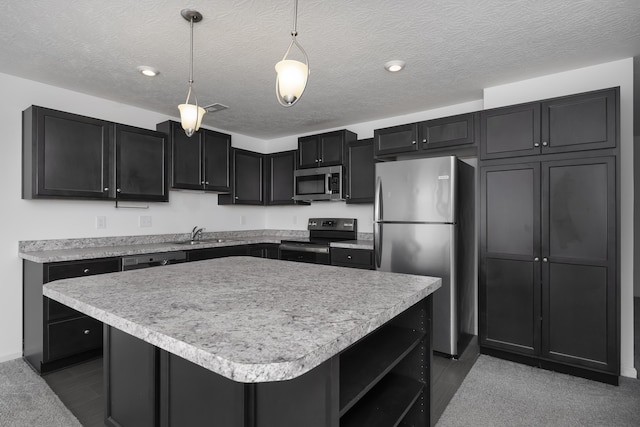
(191, 114)
(291, 78)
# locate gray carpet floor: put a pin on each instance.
(500, 393)
(27, 401)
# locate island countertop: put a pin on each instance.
(248, 319)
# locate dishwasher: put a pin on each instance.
(152, 260)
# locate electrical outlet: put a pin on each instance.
(101, 221)
(144, 220)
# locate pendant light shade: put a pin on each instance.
(292, 75)
(191, 114)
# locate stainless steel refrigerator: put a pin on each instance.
(424, 224)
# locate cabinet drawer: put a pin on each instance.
(56, 311)
(74, 336)
(82, 268)
(357, 258)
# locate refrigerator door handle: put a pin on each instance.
(377, 243)
(377, 203)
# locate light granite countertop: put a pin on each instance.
(43, 251)
(248, 319)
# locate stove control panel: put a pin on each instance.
(337, 224)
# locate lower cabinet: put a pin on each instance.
(219, 252)
(355, 258)
(55, 335)
(264, 250)
(548, 289)
(382, 380)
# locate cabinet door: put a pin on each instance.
(396, 139)
(186, 171)
(510, 131)
(248, 179)
(360, 174)
(331, 148)
(509, 287)
(579, 262)
(581, 122)
(217, 159)
(308, 152)
(142, 164)
(281, 167)
(447, 131)
(65, 155)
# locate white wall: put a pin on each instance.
(617, 73)
(47, 219)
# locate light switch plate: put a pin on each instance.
(144, 221)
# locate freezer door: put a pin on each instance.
(428, 250)
(417, 190)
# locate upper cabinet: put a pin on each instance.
(360, 172)
(445, 132)
(141, 165)
(573, 123)
(199, 162)
(248, 179)
(395, 140)
(280, 168)
(326, 149)
(70, 156)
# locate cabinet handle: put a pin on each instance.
(206, 182)
(545, 259)
(118, 190)
(536, 144)
(424, 140)
(202, 182)
(545, 143)
(236, 197)
(413, 142)
(536, 259)
(87, 331)
(348, 256)
(86, 270)
(106, 188)
(317, 160)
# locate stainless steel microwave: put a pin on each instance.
(318, 184)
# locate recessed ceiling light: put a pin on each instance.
(394, 66)
(147, 71)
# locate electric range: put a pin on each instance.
(322, 231)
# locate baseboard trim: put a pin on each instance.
(589, 374)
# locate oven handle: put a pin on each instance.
(297, 248)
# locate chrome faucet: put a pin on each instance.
(196, 233)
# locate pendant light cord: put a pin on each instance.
(195, 97)
(295, 18)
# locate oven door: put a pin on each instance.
(299, 253)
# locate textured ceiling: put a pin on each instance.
(453, 49)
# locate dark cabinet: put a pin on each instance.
(56, 335)
(264, 250)
(280, 169)
(248, 179)
(447, 131)
(142, 164)
(199, 162)
(573, 123)
(64, 155)
(548, 285)
(355, 258)
(360, 172)
(395, 139)
(326, 149)
(219, 252)
(70, 156)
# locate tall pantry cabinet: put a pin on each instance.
(548, 284)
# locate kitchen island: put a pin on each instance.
(242, 341)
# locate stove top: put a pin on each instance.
(323, 231)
